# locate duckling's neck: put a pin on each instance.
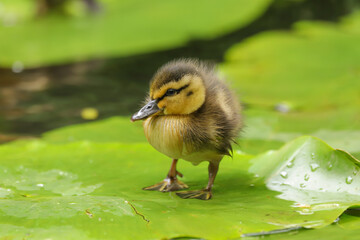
(165, 133)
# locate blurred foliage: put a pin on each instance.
(37, 100)
(12, 12)
(66, 7)
(315, 68)
(319, 55)
(122, 28)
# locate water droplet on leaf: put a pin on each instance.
(329, 166)
(305, 211)
(301, 205)
(302, 185)
(275, 183)
(349, 180)
(314, 167)
(290, 164)
(284, 174)
(306, 177)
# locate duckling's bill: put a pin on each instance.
(146, 111)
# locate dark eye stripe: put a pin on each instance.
(177, 91)
(171, 92)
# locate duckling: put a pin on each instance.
(190, 114)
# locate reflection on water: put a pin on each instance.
(37, 100)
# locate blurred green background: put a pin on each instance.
(295, 65)
(60, 57)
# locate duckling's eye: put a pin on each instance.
(171, 92)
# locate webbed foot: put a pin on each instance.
(167, 185)
(198, 194)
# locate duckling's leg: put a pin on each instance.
(170, 183)
(204, 194)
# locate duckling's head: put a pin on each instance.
(177, 88)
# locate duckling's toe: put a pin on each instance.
(198, 194)
(167, 185)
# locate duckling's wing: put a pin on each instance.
(218, 122)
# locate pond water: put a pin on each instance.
(36, 100)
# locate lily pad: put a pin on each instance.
(115, 129)
(94, 189)
(347, 227)
(310, 172)
(123, 28)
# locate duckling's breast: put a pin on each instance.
(166, 133)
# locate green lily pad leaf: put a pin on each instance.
(345, 228)
(94, 189)
(311, 173)
(122, 28)
(350, 222)
(115, 129)
(58, 181)
(259, 135)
